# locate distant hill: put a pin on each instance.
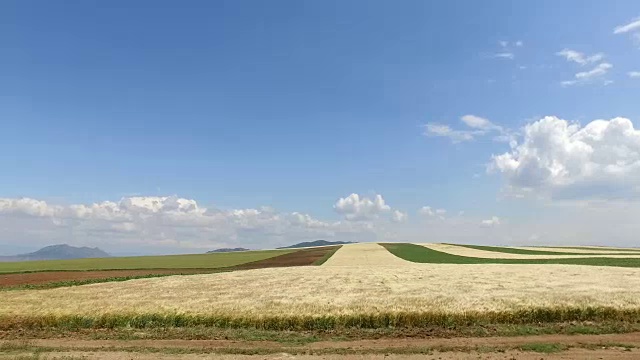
(316, 243)
(226, 250)
(58, 252)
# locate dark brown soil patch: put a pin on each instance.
(298, 258)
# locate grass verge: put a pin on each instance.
(305, 323)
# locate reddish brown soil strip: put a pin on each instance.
(578, 354)
(631, 339)
(33, 278)
(302, 257)
(298, 258)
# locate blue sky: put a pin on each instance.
(296, 104)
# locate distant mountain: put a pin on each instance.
(58, 252)
(315, 243)
(223, 250)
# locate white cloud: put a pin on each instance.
(478, 126)
(519, 43)
(399, 216)
(456, 136)
(634, 25)
(355, 207)
(634, 74)
(426, 211)
(580, 58)
(429, 211)
(589, 76)
(560, 159)
(503, 43)
(494, 221)
(505, 55)
(478, 122)
(160, 224)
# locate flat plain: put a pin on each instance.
(357, 290)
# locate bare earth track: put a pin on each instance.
(614, 346)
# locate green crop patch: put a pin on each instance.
(195, 261)
(421, 254)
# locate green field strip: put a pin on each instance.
(195, 261)
(510, 250)
(421, 254)
(326, 256)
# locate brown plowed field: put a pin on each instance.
(298, 258)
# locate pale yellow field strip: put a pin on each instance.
(483, 254)
(605, 248)
(339, 290)
(365, 254)
(580, 251)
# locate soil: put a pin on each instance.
(609, 354)
(297, 258)
(579, 347)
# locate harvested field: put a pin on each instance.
(364, 254)
(475, 252)
(297, 258)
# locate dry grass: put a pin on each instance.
(482, 254)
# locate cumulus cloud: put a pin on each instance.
(561, 159)
(494, 221)
(429, 211)
(170, 223)
(634, 74)
(355, 207)
(399, 216)
(578, 57)
(476, 126)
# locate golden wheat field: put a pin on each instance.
(363, 278)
